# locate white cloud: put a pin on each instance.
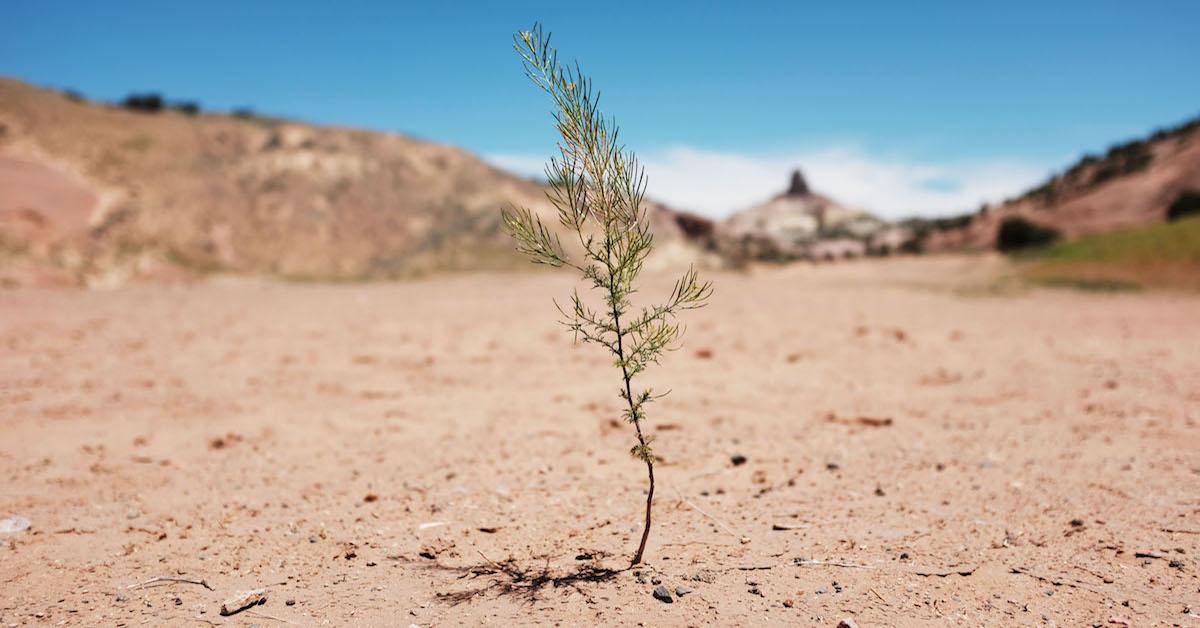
(718, 183)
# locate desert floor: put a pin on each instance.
(923, 445)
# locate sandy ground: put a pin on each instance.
(919, 451)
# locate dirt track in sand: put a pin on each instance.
(325, 438)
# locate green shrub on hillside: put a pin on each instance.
(149, 102)
(1186, 204)
(1018, 233)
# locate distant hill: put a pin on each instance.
(1132, 184)
(100, 194)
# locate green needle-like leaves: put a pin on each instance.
(597, 187)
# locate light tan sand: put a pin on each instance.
(323, 437)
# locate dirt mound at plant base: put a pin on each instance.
(244, 194)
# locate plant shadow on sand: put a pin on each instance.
(508, 578)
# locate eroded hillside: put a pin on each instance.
(97, 194)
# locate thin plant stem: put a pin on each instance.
(597, 188)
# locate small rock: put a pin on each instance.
(655, 581)
(737, 460)
(822, 591)
(15, 523)
(584, 556)
(178, 602)
(243, 600)
(663, 594)
(682, 590)
(847, 623)
(290, 602)
(832, 466)
(879, 491)
(704, 576)
(788, 603)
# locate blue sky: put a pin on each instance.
(900, 107)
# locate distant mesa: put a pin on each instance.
(802, 224)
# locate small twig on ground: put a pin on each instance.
(829, 563)
(962, 571)
(1075, 584)
(1102, 577)
(266, 616)
(689, 543)
(879, 596)
(157, 579)
(714, 519)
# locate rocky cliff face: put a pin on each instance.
(96, 194)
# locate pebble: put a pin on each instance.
(847, 623)
(737, 460)
(682, 590)
(663, 594)
(15, 523)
